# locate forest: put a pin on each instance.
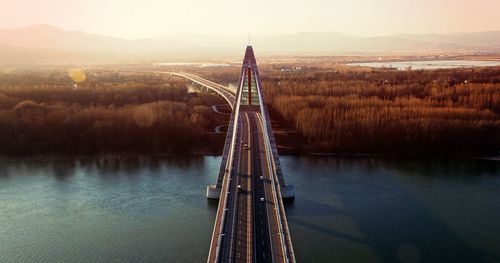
(47, 113)
(339, 110)
(414, 112)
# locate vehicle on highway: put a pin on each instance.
(239, 188)
(261, 177)
(262, 199)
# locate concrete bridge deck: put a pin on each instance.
(251, 223)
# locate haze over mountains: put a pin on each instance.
(44, 43)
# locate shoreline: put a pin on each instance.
(62, 157)
(392, 156)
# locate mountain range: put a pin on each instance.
(45, 43)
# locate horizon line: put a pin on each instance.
(243, 36)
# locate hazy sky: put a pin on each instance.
(154, 18)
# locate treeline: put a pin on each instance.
(391, 112)
(108, 113)
(106, 89)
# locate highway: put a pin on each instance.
(252, 223)
(226, 92)
(263, 231)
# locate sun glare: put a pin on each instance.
(77, 75)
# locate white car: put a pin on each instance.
(261, 177)
(262, 199)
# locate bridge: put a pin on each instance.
(227, 93)
(251, 224)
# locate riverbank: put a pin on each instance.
(62, 157)
(442, 157)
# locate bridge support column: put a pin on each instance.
(213, 192)
(287, 192)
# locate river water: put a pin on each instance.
(154, 210)
(430, 64)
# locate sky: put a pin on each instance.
(134, 19)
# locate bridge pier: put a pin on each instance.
(287, 192)
(213, 192)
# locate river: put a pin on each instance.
(430, 64)
(154, 210)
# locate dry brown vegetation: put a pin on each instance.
(390, 112)
(334, 109)
(43, 113)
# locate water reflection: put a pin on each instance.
(420, 166)
(138, 208)
(106, 166)
(154, 209)
(391, 210)
(62, 170)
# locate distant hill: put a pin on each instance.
(48, 43)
